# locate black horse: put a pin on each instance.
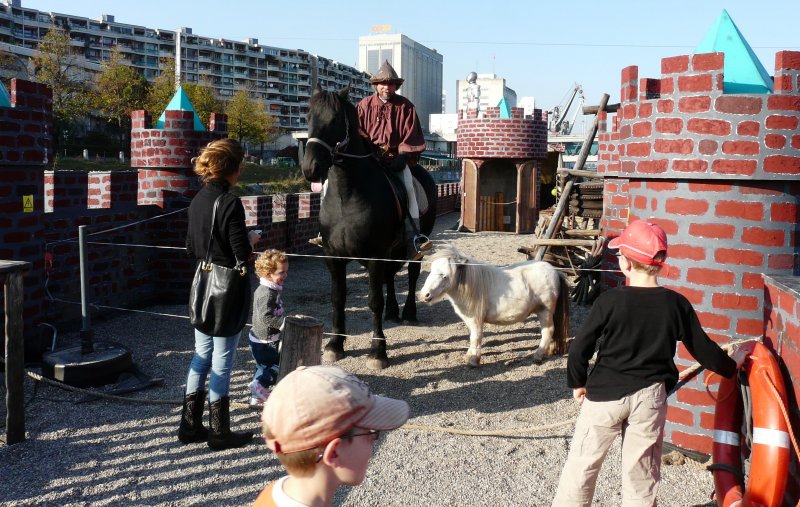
(361, 217)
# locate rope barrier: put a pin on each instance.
(119, 227)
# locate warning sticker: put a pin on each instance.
(27, 203)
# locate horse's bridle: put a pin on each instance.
(338, 148)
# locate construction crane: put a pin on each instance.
(558, 116)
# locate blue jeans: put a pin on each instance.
(213, 354)
(267, 357)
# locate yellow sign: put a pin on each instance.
(381, 28)
(27, 203)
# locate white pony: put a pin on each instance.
(481, 293)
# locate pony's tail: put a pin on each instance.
(561, 318)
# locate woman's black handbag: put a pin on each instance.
(219, 301)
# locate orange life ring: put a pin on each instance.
(770, 454)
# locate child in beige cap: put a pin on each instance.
(322, 422)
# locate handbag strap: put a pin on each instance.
(207, 261)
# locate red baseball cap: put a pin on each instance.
(641, 241)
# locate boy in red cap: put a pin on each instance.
(322, 422)
(635, 329)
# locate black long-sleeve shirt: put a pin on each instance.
(230, 236)
(637, 330)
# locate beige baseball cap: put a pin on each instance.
(313, 405)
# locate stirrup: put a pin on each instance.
(422, 243)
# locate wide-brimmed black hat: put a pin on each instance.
(386, 74)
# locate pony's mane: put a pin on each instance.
(474, 279)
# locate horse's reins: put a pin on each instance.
(338, 148)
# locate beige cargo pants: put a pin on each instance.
(639, 418)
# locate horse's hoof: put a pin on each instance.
(377, 363)
(411, 322)
(395, 319)
(332, 354)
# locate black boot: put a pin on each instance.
(221, 437)
(191, 428)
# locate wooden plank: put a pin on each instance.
(500, 211)
(580, 173)
(582, 232)
(301, 344)
(15, 355)
(561, 242)
(610, 108)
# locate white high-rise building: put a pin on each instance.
(421, 67)
(492, 89)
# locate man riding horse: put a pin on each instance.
(390, 121)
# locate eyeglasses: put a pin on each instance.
(375, 434)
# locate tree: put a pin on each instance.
(162, 88)
(58, 67)
(248, 120)
(120, 90)
(204, 99)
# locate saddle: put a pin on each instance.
(393, 170)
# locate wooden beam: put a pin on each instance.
(562, 242)
(610, 108)
(11, 272)
(582, 232)
(580, 173)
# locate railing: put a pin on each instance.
(11, 278)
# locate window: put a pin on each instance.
(372, 61)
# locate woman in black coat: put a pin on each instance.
(218, 166)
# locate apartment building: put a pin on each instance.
(492, 90)
(420, 66)
(282, 79)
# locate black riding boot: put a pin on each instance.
(221, 437)
(191, 428)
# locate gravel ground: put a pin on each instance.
(87, 451)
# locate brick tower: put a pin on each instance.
(502, 156)
(25, 148)
(720, 172)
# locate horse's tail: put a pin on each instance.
(561, 318)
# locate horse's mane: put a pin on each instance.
(474, 279)
(326, 105)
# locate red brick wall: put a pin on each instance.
(25, 147)
(782, 336)
(720, 173)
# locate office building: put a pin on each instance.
(421, 67)
(282, 79)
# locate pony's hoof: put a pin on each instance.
(332, 354)
(473, 361)
(377, 363)
(538, 359)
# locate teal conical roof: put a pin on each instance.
(505, 110)
(180, 102)
(5, 98)
(743, 70)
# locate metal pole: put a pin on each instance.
(86, 332)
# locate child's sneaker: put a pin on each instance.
(259, 391)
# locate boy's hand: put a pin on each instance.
(254, 237)
(742, 352)
(579, 394)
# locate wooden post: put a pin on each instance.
(561, 207)
(500, 209)
(301, 344)
(11, 277)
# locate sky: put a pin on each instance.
(542, 49)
